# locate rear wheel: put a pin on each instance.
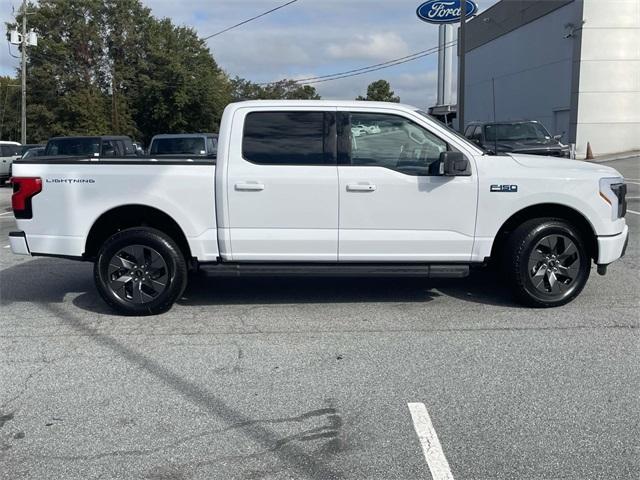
(546, 262)
(140, 271)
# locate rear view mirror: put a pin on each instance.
(454, 164)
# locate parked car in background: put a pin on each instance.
(527, 136)
(9, 151)
(97, 146)
(184, 144)
(373, 129)
(33, 152)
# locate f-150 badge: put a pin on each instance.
(504, 188)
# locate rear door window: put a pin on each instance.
(288, 138)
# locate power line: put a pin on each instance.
(248, 20)
(368, 69)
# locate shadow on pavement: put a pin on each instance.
(49, 280)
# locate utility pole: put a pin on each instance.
(461, 64)
(23, 135)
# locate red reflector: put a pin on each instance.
(24, 188)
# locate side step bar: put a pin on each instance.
(336, 270)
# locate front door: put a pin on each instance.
(282, 186)
(394, 207)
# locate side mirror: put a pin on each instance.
(454, 164)
(557, 138)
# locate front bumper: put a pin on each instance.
(612, 248)
(18, 242)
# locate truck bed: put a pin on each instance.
(77, 192)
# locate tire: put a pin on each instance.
(140, 271)
(546, 262)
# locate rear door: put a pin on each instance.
(282, 185)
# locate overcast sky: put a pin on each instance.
(305, 39)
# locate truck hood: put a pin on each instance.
(566, 165)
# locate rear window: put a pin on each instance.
(73, 146)
(179, 146)
(285, 138)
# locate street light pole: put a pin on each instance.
(23, 135)
(461, 64)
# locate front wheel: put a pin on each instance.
(140, 271)
(546, 262)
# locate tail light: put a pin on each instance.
(24, 189)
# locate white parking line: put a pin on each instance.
(7, 246)
(6, 213)
(431, 447)
(628, 181)
(633, 211)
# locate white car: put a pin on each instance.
(9, 152)
(373, 129)
(291, 194)
(358, 130)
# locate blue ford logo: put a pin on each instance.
(444, 11)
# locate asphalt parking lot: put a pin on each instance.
(312, 378)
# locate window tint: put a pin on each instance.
(10, 150)
(178, 146)
(73, 146)
(109, 149)
(396, 143)
(212, 145)
(285, 138)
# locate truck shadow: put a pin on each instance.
(48, 280)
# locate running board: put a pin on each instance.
(335, 270)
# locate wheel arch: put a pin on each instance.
(129, 216)
(552, 210)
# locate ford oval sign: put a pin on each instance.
(444, 11)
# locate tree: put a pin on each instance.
(111, 67)
(282, 90)
(9, 109)
(380, 91)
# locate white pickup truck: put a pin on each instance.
(292, 192)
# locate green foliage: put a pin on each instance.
(380, 91)
(283, 90)
(9, 109)
(111, 67)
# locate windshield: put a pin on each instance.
(515, 132)
(179, 146)
(73, 146)
(451, 130)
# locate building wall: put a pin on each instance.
(532, 67)
(608, 113)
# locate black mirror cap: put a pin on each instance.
(454, 164)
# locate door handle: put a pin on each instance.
(361, 187)
(249, 186)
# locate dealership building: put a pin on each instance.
(573, 65)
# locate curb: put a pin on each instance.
(611, 158)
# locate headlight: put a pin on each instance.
(614, 192)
